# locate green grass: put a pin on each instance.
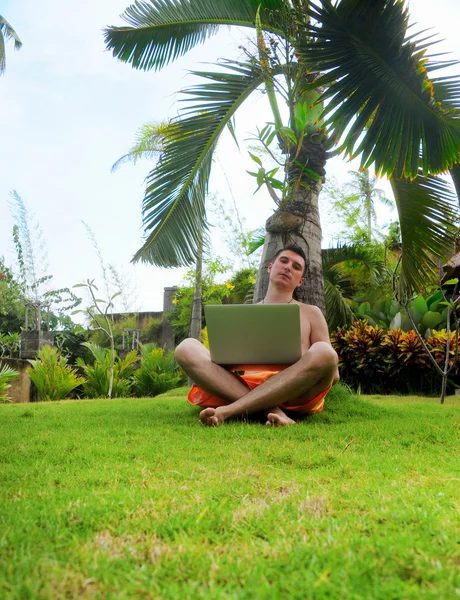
(135, 499)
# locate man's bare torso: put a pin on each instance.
(308, 317)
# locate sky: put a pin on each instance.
(69, 110)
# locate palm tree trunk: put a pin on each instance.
(298, 223)
(196, 321)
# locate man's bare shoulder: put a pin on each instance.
(310, 310)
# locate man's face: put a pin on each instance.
(287, 269)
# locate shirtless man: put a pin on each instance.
(299, 388)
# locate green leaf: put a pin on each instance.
(364, 307)
(431, 319)
(255, 158)
(421, 305)
(276, 184)
(288, 133)
(160, 31)
(270, 138)
(260, 177)
(451, 282)
(231, 128)
(433, 300)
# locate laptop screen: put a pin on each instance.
(254, 333)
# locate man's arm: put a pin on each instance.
(320, 333)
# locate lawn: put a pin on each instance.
(133, 498)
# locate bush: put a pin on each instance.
(158, 373)
(7, 374)
(52, 376)
(98, 374)
(10, 344)
(373, 360)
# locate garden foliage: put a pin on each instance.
(237, 290)
(7, 374)
(374, 360)
(9, 344)
(150, 330)
(158, 372)
(52, 376)
(98, 374)
(427, 313)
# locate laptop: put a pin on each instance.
(254, 334)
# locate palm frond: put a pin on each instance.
(160, 31)
(7, 33)
(174, 202)
(257, 240)
(380, 101)
(149, 143)
(455, 174)
(338, 311)
(428, 216)
(332, 257)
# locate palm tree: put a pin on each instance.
(354, 54)
(7, 33)
(355, 205)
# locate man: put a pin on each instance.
(299, 388)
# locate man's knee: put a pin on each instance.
(188, 351)
(323, 358)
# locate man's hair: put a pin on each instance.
(296, 250)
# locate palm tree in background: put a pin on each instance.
(354, 204)
(357, 57)
(7, 33)
(149, 143)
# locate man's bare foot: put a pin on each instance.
(277, 418)
(211, 417)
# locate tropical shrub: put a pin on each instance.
(70, 343)
(437, 346)
(359, 352)
(52, 376)
(374, 360)
(7, 374)
(11, 301)
(10, 344)
(158, 372)
(98, 373)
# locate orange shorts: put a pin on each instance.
(200, 397)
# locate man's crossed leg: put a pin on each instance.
(314, 373)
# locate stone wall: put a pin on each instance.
(22, 389)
